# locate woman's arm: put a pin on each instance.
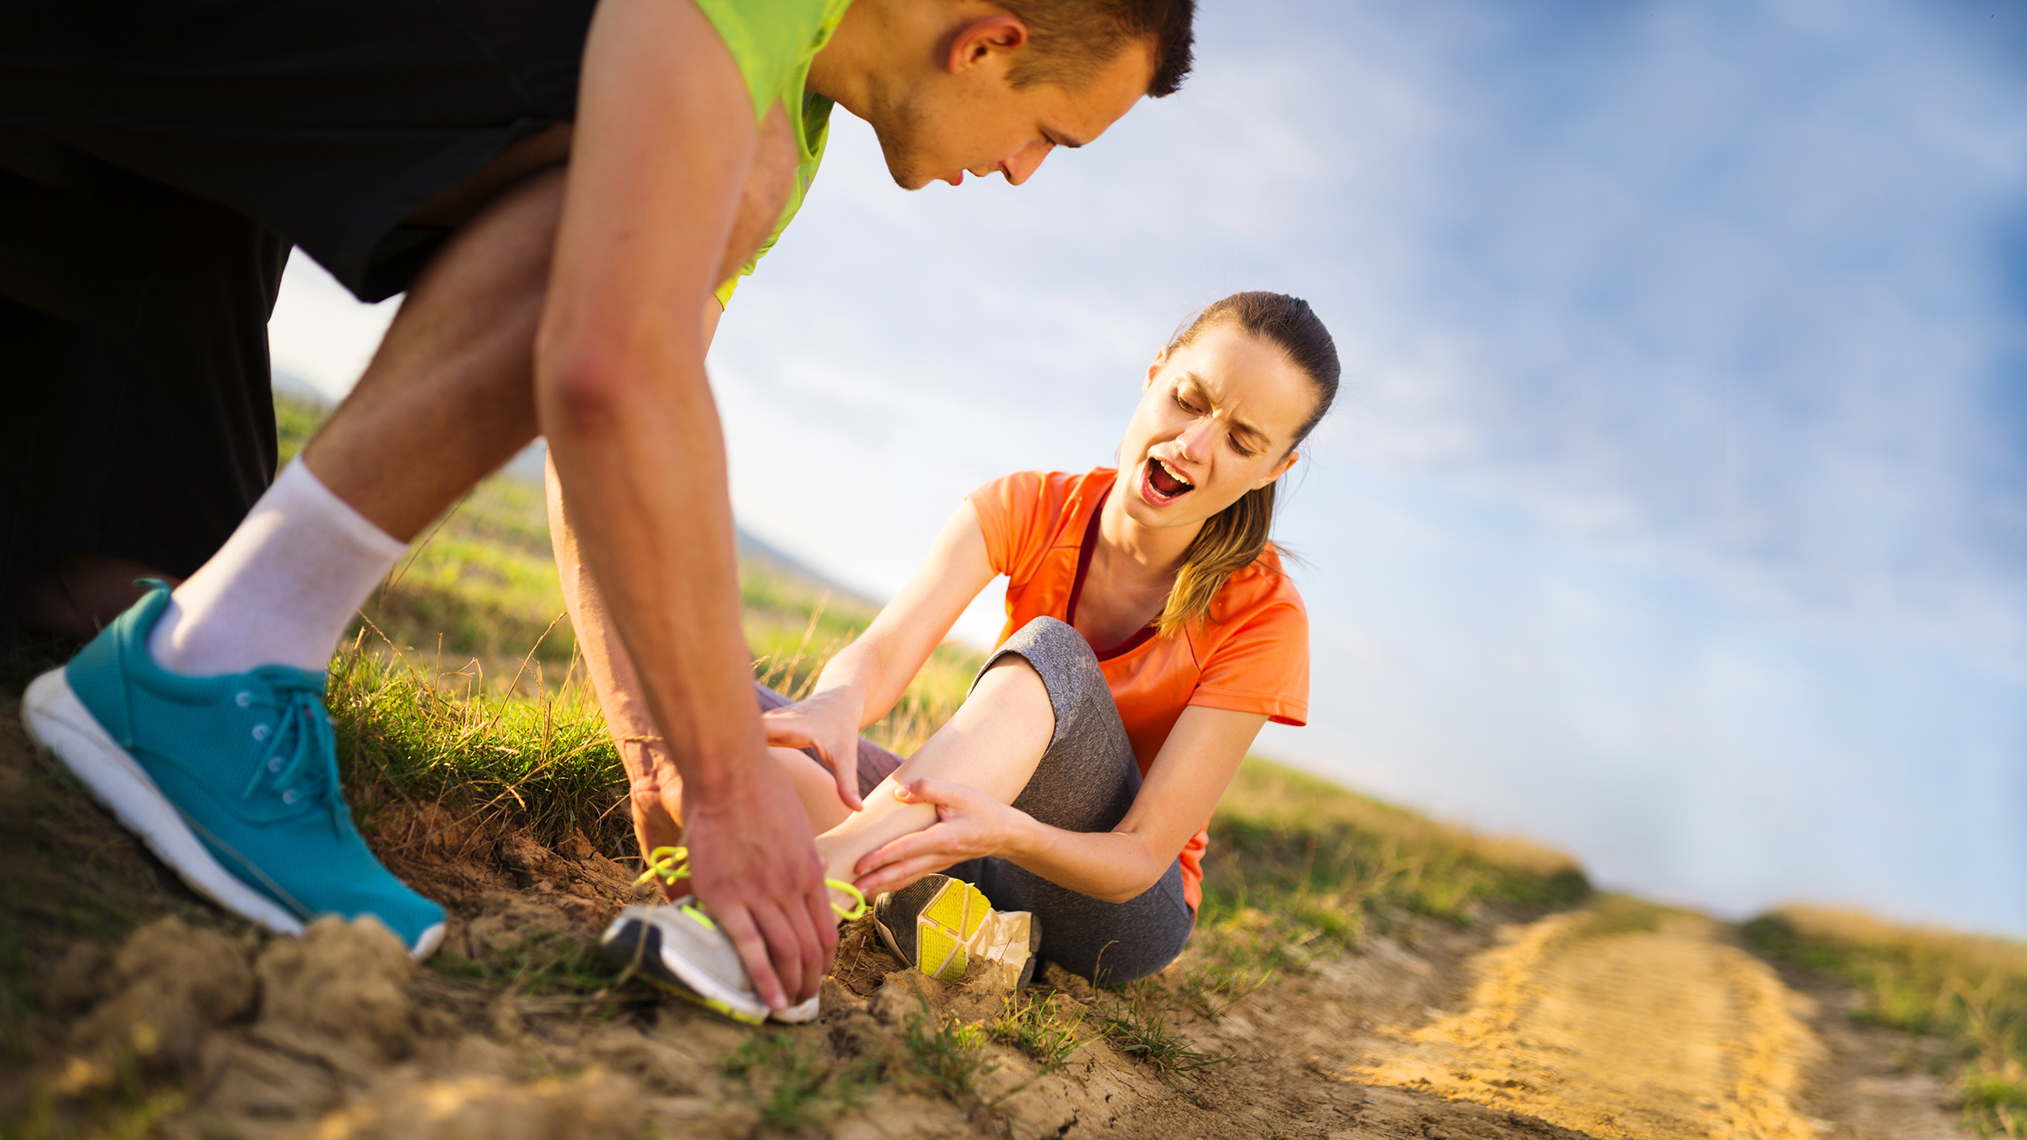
(866, 678)
(1182, 788)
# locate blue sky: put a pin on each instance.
(1675, 510)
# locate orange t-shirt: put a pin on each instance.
(1252, 656)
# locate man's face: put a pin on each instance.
(973, 119)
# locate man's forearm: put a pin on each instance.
(620, 694)
(645, 488)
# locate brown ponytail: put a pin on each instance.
(1233, 539)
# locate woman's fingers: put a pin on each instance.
(935, 841)
(786, 729)
(894, 876)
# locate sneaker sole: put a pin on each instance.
(633, 944)
(59, 722)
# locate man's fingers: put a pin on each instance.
(823, 938)
(739, 926)
(786, 945)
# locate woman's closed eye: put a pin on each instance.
(1240, 449)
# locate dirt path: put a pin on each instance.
(130, 1008)
(1630, 1021)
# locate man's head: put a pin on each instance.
(956, 86)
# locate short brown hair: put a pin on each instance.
(1070, 40)
(1234, 538)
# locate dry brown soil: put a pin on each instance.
(147, 1013)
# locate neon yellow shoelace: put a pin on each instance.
(671, 863)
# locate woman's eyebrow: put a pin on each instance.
(1247, 429)
(1238, 423)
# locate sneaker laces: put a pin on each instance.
(672, 863)
(299, 744)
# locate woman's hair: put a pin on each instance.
(1235, 536)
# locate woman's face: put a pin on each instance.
(1218, 418)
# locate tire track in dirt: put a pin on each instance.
(1620, 1022)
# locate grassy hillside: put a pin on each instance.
(1968, 990)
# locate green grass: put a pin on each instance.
(1298, 866)
(1136, 1023)
(1969, 991)
(541, 762)
(784, 1076)
(947, 1053)
(1037, 1025)
(543, 962)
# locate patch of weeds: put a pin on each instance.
(544, 961)
(1333, 862)
(1036, 1026)
(1216, 986)
(1138, 1027)
(544, 764)
(783, 1075)
(947, 1052)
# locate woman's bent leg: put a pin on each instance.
(1086, 781)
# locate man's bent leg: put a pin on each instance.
(231, 776)
(447, 399)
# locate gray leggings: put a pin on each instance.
(1086, 781)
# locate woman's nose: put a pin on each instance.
(1195, 440)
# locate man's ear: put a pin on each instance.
(1160, 358)
(977, 41)
(1280, 469)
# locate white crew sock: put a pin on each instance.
(281, 589)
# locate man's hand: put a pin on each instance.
(758, 875)
(969, 825)
(828, 722)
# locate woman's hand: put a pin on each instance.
(827, 721)
(969, 825)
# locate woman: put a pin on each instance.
(1150, 633)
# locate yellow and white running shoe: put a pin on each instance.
(681, 950)
(945, 928)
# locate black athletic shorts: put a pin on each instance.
(157, 160)
(327, 121)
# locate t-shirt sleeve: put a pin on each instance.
(1011, 514)
(1262, 666)
(768, 39)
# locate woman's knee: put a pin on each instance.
(1069, 673)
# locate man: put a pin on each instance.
(417, 147)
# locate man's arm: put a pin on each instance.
(654, 784)
(664, 145)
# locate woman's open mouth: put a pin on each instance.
(1161, 484)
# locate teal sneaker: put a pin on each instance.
(231, 779)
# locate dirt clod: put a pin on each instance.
(170, 984)
(338, 994)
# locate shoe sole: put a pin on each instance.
(59, 722)
(637, 945)
(893, 945)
